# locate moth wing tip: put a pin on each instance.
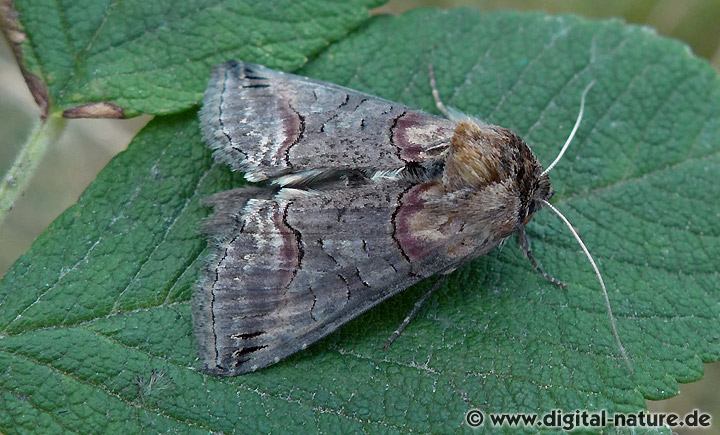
(228, 64)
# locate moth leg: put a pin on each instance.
(420, 302)
(436, 95)
(450, 113)
(525, 246)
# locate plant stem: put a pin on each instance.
(23, 168)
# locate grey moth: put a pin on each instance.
(358, 199)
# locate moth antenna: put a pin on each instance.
(436, 95)
(613, 324)
(571, 136)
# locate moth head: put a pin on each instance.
(533, 184)
(542, 191)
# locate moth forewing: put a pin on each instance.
(268, 124)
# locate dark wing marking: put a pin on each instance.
(269, 123)
(289, 268)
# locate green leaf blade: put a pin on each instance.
(638, 184)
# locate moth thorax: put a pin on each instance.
(474, 158)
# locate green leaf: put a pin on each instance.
(112, 59)
(95, 330)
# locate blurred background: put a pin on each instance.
(87, 145)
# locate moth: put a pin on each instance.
(359, 198)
